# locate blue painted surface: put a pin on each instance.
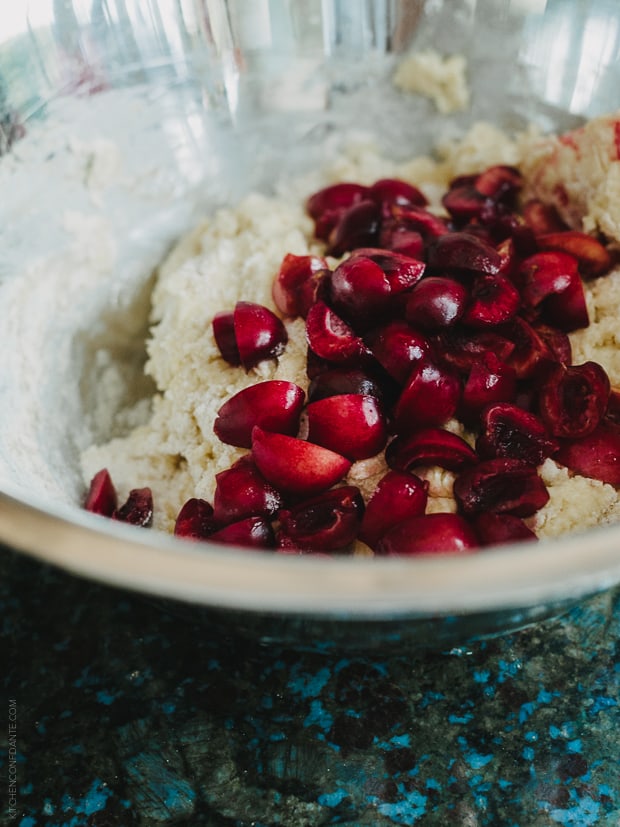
(128, 715)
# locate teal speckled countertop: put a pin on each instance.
(126, 715)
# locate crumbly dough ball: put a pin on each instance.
(483, 146)
(579, 172)
(231, 257)
(600, 341)
(442, 79)
(366, 474)
(575, 503)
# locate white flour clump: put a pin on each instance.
(442, 79)
(579, 173)
(234, 256)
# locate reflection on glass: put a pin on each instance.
(598, 48)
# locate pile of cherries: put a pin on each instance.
(427, 319)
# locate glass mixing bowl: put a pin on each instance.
(121, 123)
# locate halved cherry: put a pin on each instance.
(295, 286)
(330, 337)
(274, 405)
(436, 302)
(530, 350)
(398, 237)
(568, 310)
(351, 424)
(360, 291)
(420, 220)
(340, 380)
(429, 534)
(490, 380)
(463, 348)
(241, 491)
(327, 522)
(335, 197)
(224, 335)
(546, 274)
(542, 218)
(463, 251)
(395, 191)
(499, 222)
(596, 455)
(498, 529)
(573, 399)
(294, 466)
(101, 497)
(499, 182)
(463, 201)
(328, 205)
(430, 397)
(316, 365)
(509, 258)
(397, 347)
(553, 278)
(401, 271)
(251, 532)
(593, 259)
(195, 520)
(493, 300)
(503, 485)
(509, 431)
(357, 227)
(430, 446)
(138, 508)
(556, 340)
(258, 332)
(397, 497)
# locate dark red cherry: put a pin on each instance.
(360, 291)
(357, 227)
(596, 455)
(490, 380)
(429, 534)
(498, 529)
(251, 532)
(509, 431)
(430, 397)
(330, 337)
(327, 522)
(428, 447)
(274, 405)
(351, 424)
(242, 491)
(573, 399)
(398, 347)
(295, 287)
(395, 191)
(138, 509)
(463, 251)
(504, 486)
(397, 496)
(101, 497)
(258, 332)
(493, 300)
(327, 206)
(436, 302)
(195, 520)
